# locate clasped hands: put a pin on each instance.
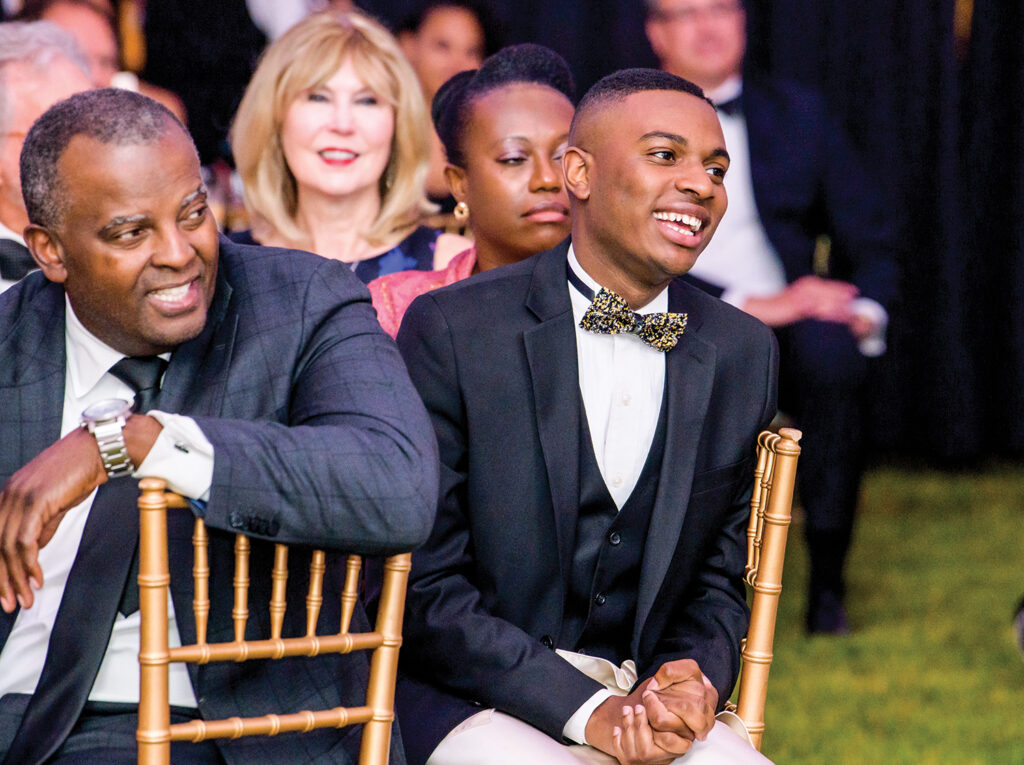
(659, 720)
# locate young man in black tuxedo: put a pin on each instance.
(581, 593)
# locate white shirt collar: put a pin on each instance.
(659, 303)
(14, 236)
(89, 358)
(727, 91)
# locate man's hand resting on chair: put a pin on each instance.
(35, 499)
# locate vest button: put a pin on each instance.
(600, 599)
(547, 642)
(614, 538)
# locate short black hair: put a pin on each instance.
(108, 115)
(525, 63)
(479, 8)
(625, 82)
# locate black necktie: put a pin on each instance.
(15, 260)
(81, 630)
(609, 314)
(142, 374)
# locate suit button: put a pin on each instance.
(547, 642)
(600, 599)
(614, 538)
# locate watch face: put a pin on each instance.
(108, 409)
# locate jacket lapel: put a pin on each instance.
(689, 374)
(196, 378)
(554, 375)
(32, 362)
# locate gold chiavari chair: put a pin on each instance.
(155, 732)
(770, 513)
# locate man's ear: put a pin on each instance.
(47, 251)
(576, 164)
(456, 178)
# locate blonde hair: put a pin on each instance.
(305, 57)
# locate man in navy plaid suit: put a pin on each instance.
(280, 404)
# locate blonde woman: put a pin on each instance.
(331, 142)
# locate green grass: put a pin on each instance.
(930, 673)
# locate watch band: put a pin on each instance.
(113, 451)
(106, 420)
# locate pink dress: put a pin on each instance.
(393, 293)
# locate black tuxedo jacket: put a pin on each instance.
(319, 438)
(808, 181)
(494, 358)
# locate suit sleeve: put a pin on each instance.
(341, 453)
(709, 622)
(451, 639)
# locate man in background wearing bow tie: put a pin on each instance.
(795, 183)
(580, 596)
(39, 64)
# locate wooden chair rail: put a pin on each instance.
(271, 725)
(155, 731)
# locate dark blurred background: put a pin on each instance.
(933, 93)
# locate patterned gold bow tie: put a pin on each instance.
(609, 314)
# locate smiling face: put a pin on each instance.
(648, 176)
(136, 248)
(336, 137)
(512, 180)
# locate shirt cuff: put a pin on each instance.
(576, 728)
(181, 455)
(874, 343)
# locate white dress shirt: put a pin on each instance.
(182, 454)
(622, 382)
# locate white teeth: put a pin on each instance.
(172, 293)
(337, 154)
(692, 223)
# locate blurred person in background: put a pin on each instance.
(331, 143)
(794, 181)
(40, 64)
(442, 38)
(92, 24)
(505, 127)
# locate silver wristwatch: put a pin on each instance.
(105, 420)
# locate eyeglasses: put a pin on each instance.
(688, 14)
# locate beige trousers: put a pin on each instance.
(491, 737)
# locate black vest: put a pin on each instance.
(609, 548)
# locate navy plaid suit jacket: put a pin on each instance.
(319, 439)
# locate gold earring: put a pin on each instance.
(461, 212)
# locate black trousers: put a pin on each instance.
(822, 386)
